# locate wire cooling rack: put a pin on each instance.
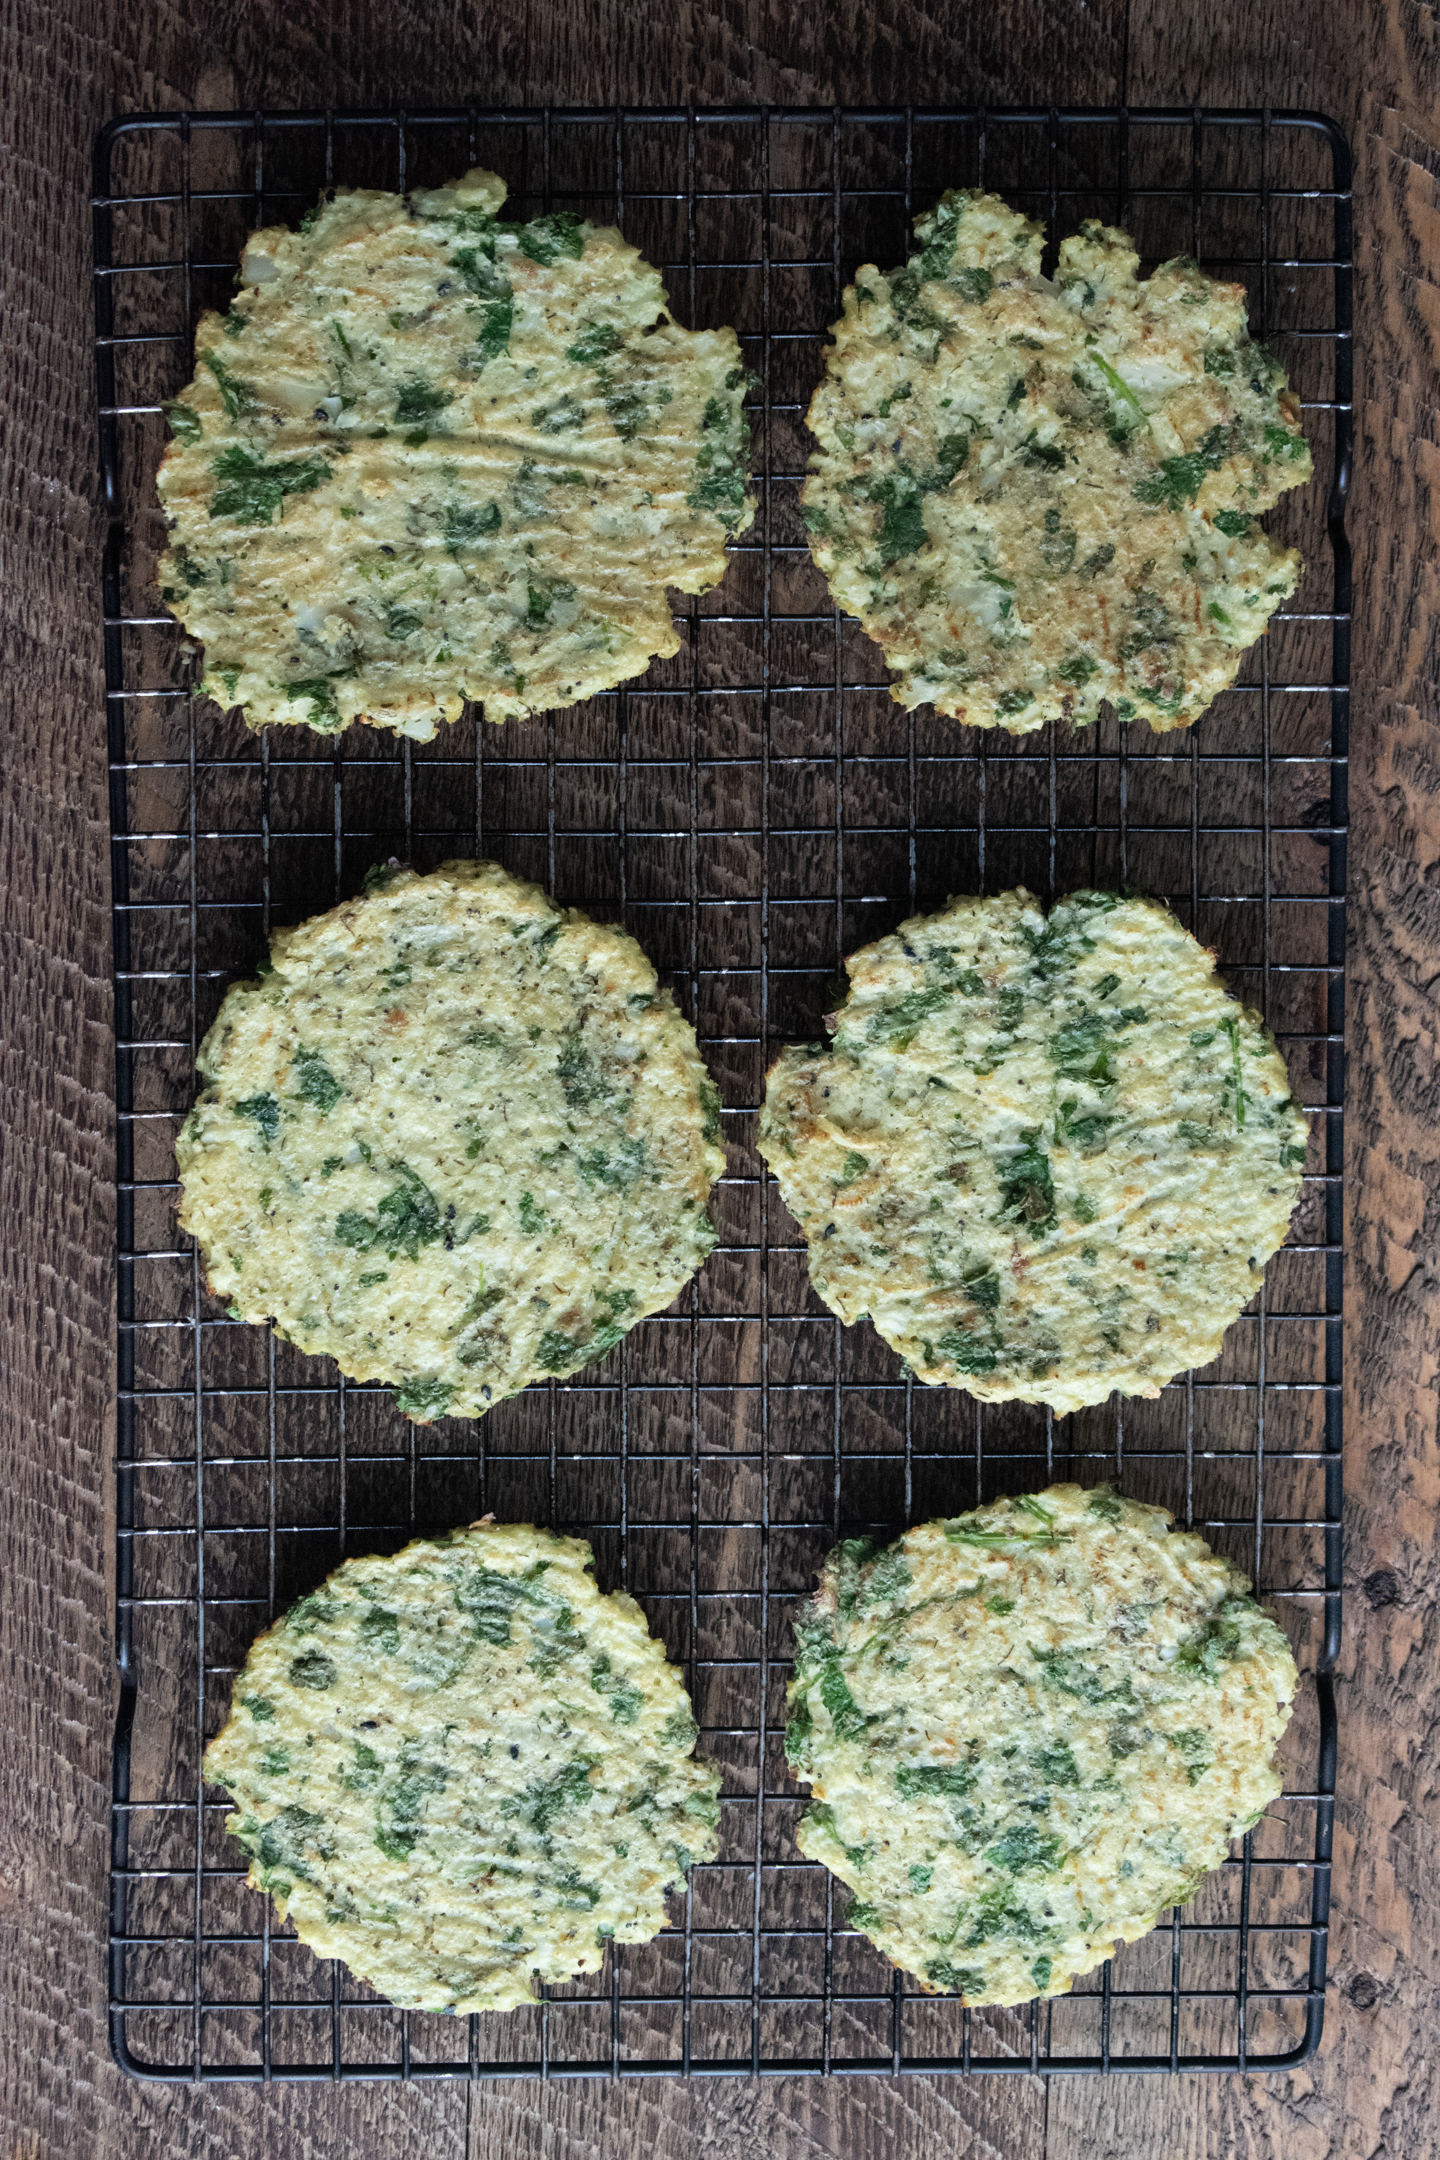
(752, 810)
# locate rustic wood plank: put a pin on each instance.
(69, 67)
(1373, 2088)
(790, 2119)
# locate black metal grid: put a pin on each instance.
(752, 810)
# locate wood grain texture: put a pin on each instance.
(66, 68)
(1373, 2090)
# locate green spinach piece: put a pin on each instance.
(1085, 1051)
(944, 1781)
(1217, 1642)
(312, 1669)
(719, 473)
(581, 1079)
(625, 1701)
(1027, 1193)
(1056, 1765)
(557, 1352)
(967, 1352)
(407, 1218)
(848, 1719)
(1023, 1847)
(380, 1629)
(546, 239)
(897, 1025)
(959, 1979)
(1176, 480)
(240, 398)
(253, 490)
(1067, 1672)
(902, 523)
(400, 1825)
(488, 1599)
(545, 1803)
(595, 345)
(465, 523)
(424, 1399)
(419, 402)
(1196, 1751)
(316, 1083)
(319, 690)
(265, 1110)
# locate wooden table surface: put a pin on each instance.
(1374, 65)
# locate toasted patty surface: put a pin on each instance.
(461, 1769)
(455, 1137)
(1037, 494)
(1048, 1157)
(429, 456)
(1029, 1731)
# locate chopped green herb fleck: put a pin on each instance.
(1025, 1846)
(1049, 456)
(1281, 444)
(418, 402)
(496, 322)
(945, 1781)
(1027, 1195)
(467, 523)
(959, 1979)
(897, 1025)
(546, 239)
(266, 1112)
(312, 1669)
(1056, 1764)
(240, 398)
(1067, 1672)
(380, 1629)
(581, 1079)
(1196, 1751)
(848, 1719)
(1218, 1641)
(488, 1598)
(253, 490)
(625, 1701)
(595, 344)
(570, 1787)
(902, 524)
(423, 1399)
(316, 1083)
(967, 1352)
(408, 1217)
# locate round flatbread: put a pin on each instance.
(1029, 1732)
(1038, 496)
(427, 457)
(461, 1769)
(456, 1138)
(1048, 1158)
